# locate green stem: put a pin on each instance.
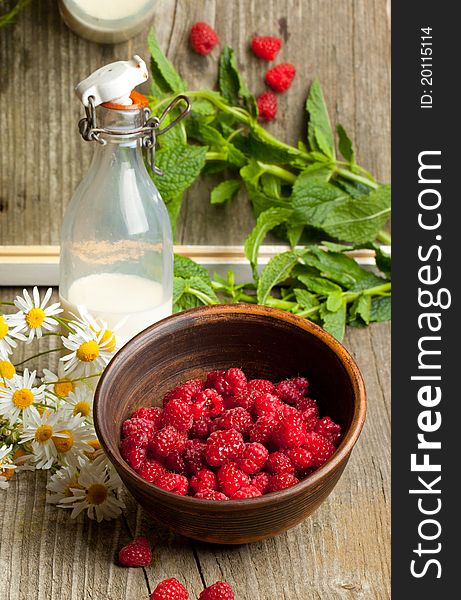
(37, 355)
(201, 296)
(215, 156)
(357, 178)
(7, 303)
(384, 237)
(62, 322)
(278, 172)
(87, 377)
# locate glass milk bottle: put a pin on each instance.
(116, 247)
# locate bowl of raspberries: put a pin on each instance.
(231, 423)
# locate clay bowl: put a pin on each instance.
(264, 342)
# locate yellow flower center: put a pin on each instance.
(88, 351)
(82, 408)
(96, 446)
(63, 387)
(62, 444)
(23, 398)
(7, 370)
(96, 493)
(108, 339)
(3, 327)
(35, 317)
(43, 433)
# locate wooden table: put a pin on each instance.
(342, 551)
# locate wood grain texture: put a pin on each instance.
(42, 158)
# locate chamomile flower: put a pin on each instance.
(74, 445)
(43, 433)
(18, 396)
(7, 370)
(80, 402)
(91, 350)
(60, 484)
(6, 466)
(97, 493)
(59, 385)
(9, 333)
(34, 316)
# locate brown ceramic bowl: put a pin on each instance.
(265, 343)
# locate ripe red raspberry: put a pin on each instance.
(279, 78)
(151, 413)
(266, 47)
(254, 458)
(263, 429)
(211, 495)
(301, 458)
(305, 403)
(231, 478)
(281, 481)
(261, 385)
(267, 404)
(172, 482)
(279, 463)
(201, 428)
(207, 404)
(246, 491)
(245, 399)
(329, 429)
(166, 441)
(203, 38)
(151, 469)
(194, 456)
(218, 591)
(170, 589)
(320, 447)
(177, 413)
(133, 452)
(227, 383)
(235, 418)
(175, 462)
(290, 433)
(139, 428)
(267, 106)
(185, 391)
(292, 390)
(261, 482)
(136, 554)
(309, 412)
(224, 446)
(204, 480)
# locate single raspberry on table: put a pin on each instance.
(231, 478)
(263, 429)
(281, 481)
(329, 429)
(261, 482)
(235, 418)
(279, 463)
(136, 554)
(267, 106)
(133, 452)
(267, 404)
(293, 390)
(140, 428)
(211, 495)
(186, 391)
(170, 589)
(220, 590)
(246, 491)
(320, 447)
(151, 469)
(173, 482)
(266, 47)
(203, 38)
(207, 404)
(178, 413)
(194, 456)
(227, 383)
(290, 432)
(204, 480)
(279, 78)
(260, 385)
(175, 462)
(300, 458)
(224, 446)
(253, 458)
(167, 440)
(151, 413)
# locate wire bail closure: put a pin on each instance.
(90, 132)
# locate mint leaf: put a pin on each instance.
(383, 260)
(345, 145)
(334, 321)
(181, 165)
(335, 266)
(294, 233)
(305, 299)
(361, 308)
(212, 137)
(173, 206)
(166, 78)
(334, 301)
(266, 221)
(185, 268)
(261, 146)
(319, 132)
(277, 270)
(319, 285)
(380, 309)
(225, 191)
(179, 287)
(232, 85)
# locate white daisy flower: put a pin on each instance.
(6, 466)
(80, 402)
(91, 350)
(75, 444)
(18, 396)
(44, 435)
(61, 483)
(9, 333)
(34, 316)
(59, 385)
(97, 493)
